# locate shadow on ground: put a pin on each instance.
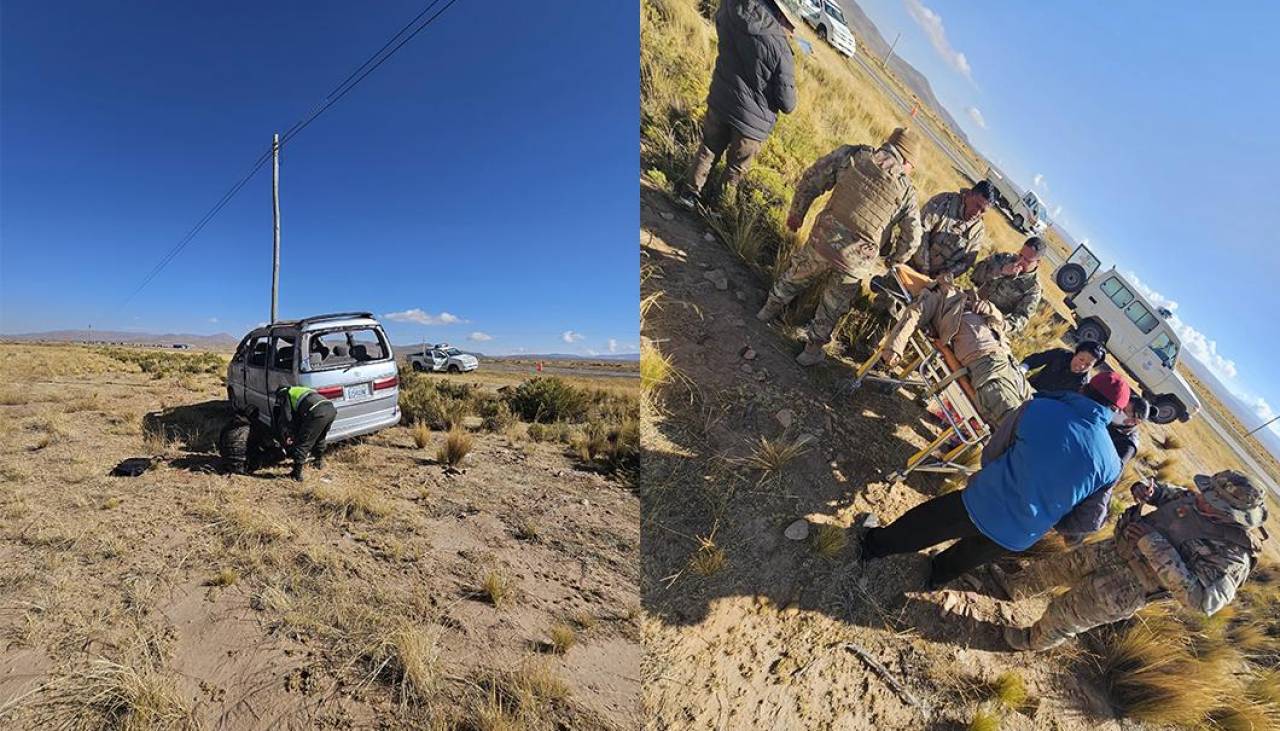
(192, 427)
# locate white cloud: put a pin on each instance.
(931, 23)
(571, 337)
(613, 345)
(1038, 181)
(1200, 346)
(479, 337)
(976, 115)
(1057, 211)
(424, 318)
(213, 320)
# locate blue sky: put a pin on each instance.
(481, 183)
(1152, 126)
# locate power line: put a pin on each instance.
(333, 97)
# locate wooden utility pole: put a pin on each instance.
(275, 223)
(894, 45)
(1258, 429)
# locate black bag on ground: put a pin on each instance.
(132, 467)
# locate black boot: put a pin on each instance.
(297, 471)
(319, 461)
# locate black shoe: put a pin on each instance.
(888, 284)
(320, 462)
(297, 473)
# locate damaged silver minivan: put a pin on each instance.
(345, 357)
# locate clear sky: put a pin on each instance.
(1153, 126)
(488, 170)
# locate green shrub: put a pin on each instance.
(496, 413)
(548, 400)
(435, 402)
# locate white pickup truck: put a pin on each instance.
(826, 18)
(1024, 210)
(442, 358)
(1108, 309)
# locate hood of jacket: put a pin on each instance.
(754, 17)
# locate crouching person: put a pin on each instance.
(1196, 547)
(1043, 460)
(301, 419)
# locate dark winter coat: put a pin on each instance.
(1055, 373)
(754, 78)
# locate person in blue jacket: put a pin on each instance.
(1046, 457)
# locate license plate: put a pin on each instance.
(360, 390)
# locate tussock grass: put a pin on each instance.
(770, 456)
(353, 454)
(225, 577)
(523, 700)
(348, 500)
(984, 720)
(457, 445)
(105, 694)
(407, 656)
(1010, 690)
(497, 589)
(421, 434)
(562, 638)
(526, 529)
(549, 399)
(1171, 442)
(656, 369)
(709, 559)
(829, 540)
(244, 527)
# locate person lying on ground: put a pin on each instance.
(871, 196)
(1044, 459)
(1090, 515)
(953, 231)
(1197, 547)
(974, 331)
(301, 419)
(1061, 369)
(753, 80)
(1010, 282)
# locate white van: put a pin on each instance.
(1110, 310)
(345, 357)
(828, 20)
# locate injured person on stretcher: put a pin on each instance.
(973, 329)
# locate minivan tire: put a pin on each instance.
(1071, 278)
(1019, 222)
(454, 369)
(822, 32)
(1167, 409)
(1091, 330)
(418, 367)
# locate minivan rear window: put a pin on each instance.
(343, 348)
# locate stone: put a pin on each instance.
(785, 417)
(718, 278)
(667, 216)
(746, 368)
(797, 531)
(747, 353)
(742, 296)
(708, 236)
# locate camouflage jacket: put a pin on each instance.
(950, 244)
(890, 208)
(1203, 573)
(1017, 297)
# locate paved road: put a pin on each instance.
(1243, 454)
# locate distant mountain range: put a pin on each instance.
(1242, 411)
(873, 44)
(220, 341)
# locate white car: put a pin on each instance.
(827, 19)
(1025, 211)
(442, 358)
(1110, 310)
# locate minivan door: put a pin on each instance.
(280, 372)
(255, 373)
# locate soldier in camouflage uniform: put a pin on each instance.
(1010, 282)
(953, 231)
(1196, 547)
(974, 330)
(871, 196)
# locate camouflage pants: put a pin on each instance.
(1000, 386)
(1104, 588)
(806, 266)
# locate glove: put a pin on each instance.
(1142, 491)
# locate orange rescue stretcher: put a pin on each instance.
(931, 370)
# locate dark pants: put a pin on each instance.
(943, 518)
(721, 138)
(310, 430)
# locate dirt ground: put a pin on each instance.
(362, 598)
(746, 629)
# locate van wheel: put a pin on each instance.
(1019, 222)
(1071, 278)
(454, 369)
(822, 32)
(1091, 331)
(1167, 409)
(418, 367)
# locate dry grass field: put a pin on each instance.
(476, 576)
(743, 628)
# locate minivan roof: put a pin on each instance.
(318, 321)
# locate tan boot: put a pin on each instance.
(772, 308)
(812, 355)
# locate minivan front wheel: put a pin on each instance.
(418, 367)
(454, 369)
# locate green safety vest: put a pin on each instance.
(295, 395)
